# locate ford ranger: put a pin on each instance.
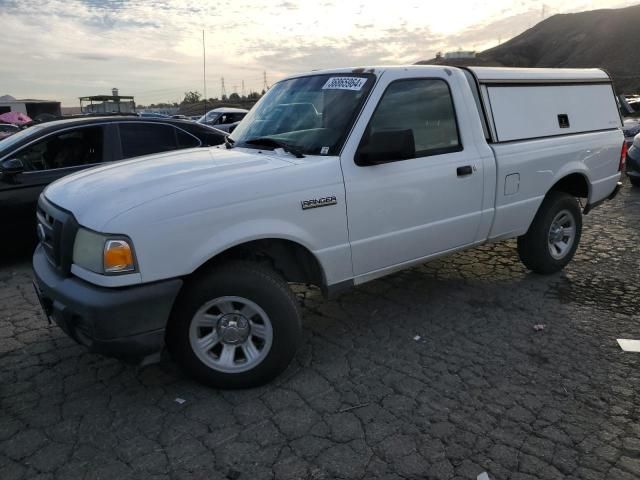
(334, 178)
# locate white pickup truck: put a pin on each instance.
(334, 178)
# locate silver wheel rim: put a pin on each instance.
(562, 234)
(231, 334)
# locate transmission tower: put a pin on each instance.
(223, 90)
(265, 85)
(243, 92)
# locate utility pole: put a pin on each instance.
(204, 72)
(223, 90)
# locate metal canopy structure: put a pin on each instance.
(107, 104)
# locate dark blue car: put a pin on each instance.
(633, 161)
(43, 153)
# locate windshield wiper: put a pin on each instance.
(268, 141)
(228, 142)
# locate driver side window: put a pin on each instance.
(70, 148)
(416, 110)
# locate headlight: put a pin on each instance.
(103, 253)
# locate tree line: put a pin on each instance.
(195, 97)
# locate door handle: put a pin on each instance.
(464, 171)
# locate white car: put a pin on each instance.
(358, 173)
(224, 118)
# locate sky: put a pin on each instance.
(64, 49)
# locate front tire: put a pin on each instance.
(635, 181)
(236, 325)
(554, 235)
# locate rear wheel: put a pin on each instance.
(235, 326)
(635, 181)
(553, 237)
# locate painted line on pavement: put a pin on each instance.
(629, 345)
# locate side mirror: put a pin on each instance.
(386, 146)
(11, 167)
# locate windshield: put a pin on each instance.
(313, 113)
(16, 137)
(210, 117)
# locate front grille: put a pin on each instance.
(49, 234)
(57, 231)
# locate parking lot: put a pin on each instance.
(435, 372)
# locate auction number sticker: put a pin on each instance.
(344, 83)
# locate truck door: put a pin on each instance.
(413, 177)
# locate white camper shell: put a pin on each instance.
(531, 103)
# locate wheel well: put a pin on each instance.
(293, 261)
(574, 184)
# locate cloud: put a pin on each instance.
(288, 6)
(91, 56)
(62, 49)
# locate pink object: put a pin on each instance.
(16, 118)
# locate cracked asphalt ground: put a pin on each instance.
(479, 391)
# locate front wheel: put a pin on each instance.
(235, 326)
(554, 234)
(635, 181)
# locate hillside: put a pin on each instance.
(608, 39)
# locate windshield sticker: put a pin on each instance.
(324, 150)
(344, 83)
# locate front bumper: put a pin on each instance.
(125, 322)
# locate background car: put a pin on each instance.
(633, 162)
(223, 118)
(38, 155)
(8, 129)
(630, 128)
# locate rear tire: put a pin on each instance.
(236, 325)
(635, 181)
(554, 234)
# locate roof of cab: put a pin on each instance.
(538, 75)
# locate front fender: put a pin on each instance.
(248, 231)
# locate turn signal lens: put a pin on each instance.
(118, 257)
